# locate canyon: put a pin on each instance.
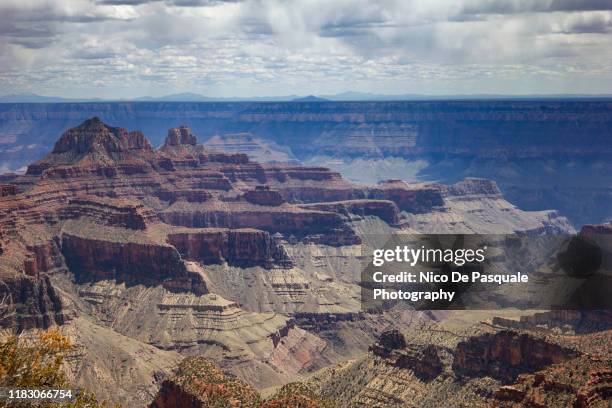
(542, 153)
(145, 256)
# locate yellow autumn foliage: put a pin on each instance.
(34, 361)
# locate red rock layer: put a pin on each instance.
(383, 209)
(240, 247)
(506, 354)
(99, 177)
(129, 262)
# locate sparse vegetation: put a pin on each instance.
(298, 395)
(199, 382)
(34, 360)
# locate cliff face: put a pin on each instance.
(240, 247)
(129, 262)
(31, 302)
(386, 210)
(414, 199)
(180, 136)
(262, 195)
(7, 190)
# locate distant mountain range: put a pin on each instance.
(34, 98)
(344, 96)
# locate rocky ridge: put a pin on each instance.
(192, 250)
(496, 367)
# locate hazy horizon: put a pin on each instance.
(125, 49)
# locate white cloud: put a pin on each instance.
(123, 48)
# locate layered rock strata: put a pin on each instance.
(200, 251)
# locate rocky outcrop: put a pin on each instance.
(7, 190)
(578, 321)
(317, 322)
(474, 187)
(260, 150)
(186, 321)
(43, 257)
(93, 136)
(30, 302)
(198, 383)
(92, 259)
(294, 395)
(263, 195)
(424, 361)
(239, 247)
(180, 136)
(383, 209)
(388, 341)
(597, 229)
(95, 143)
(506, 354)
(414, 198)
(580, 383)
(125, 214)
(285, 219)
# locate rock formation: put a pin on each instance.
(506, 354)
(184, 249)
(392, 348)
(198, 383)
(180, 136)
(431, 366)
(7, 190)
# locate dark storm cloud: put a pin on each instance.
(598, 24)
(32, 42)
(580, 5)
(351, 25)
(475, 7)
(351, 30)
(23, 30)
(198, 3)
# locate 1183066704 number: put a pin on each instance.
(8, 394)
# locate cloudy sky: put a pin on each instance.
(128, 48)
